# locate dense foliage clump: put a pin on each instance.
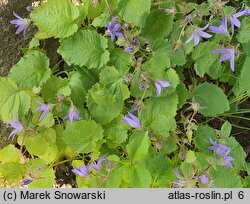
(145, 94)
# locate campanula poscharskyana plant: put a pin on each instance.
(132, 120)
(235, 21)
(223, 152)
(227, 161)
(198, 34)
(20, 23)
(45, 109)
(18, 127)
(222, 29)
(227, 54)
(203, 179)
(73, 114)
(219, 148)
(83, 171)
(159, 84)
(91, 61)
(97, 165)
(129, 48)
(113, 29)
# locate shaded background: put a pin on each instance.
(11, 44)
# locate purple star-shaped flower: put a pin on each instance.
(179, 183)
(97, 165)
(222, 29)
(73, 114)
(82, 171)
(198, 34)
(227, 54)
(113, 28)
(132, 120)
(159, 84)
(18, 127)
(234, 20)
(20, 22)
(129, 48)
(220, 149)
(45, 109)
(227, 160)
(204, 179)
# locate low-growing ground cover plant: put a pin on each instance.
(147, 93)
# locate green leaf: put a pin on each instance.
(203, 160)
(95, 10)
(33, 144)
(226, 129)
(246, 48)
(82, 136)
(158, 114)
(50, 135)
(158, 25)
(35, 42)
(44, 177)
(116, 133)
(12, 171)
(157, 65)
(243, 35)
(60, 18)
(177, 57)
(88, 77)
(85, 48)
(50, 154)
(55, 86)
(170, 144)
(134, 11)
(172, 77)
(10, 154)
(247, 182)
(237, 152)
(190, 157)
(100, 21)
(137, 176)
(226, 178)
(13, 101)
(187, 170)
(182, 93)
(78, 93)
(120, 60)
(33, 67)
(83, 12)
(216, 70)
(211, 99)
(138, 145)
(202, 136)
(109, 77)
(102, 104)
(115, 178)
(203, 57)
(157, 165)
(244, 84)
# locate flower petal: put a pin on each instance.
(158, 89)
(189, 39)
(204, 34)
(232, 63)
(235, 21)
(196, 39)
